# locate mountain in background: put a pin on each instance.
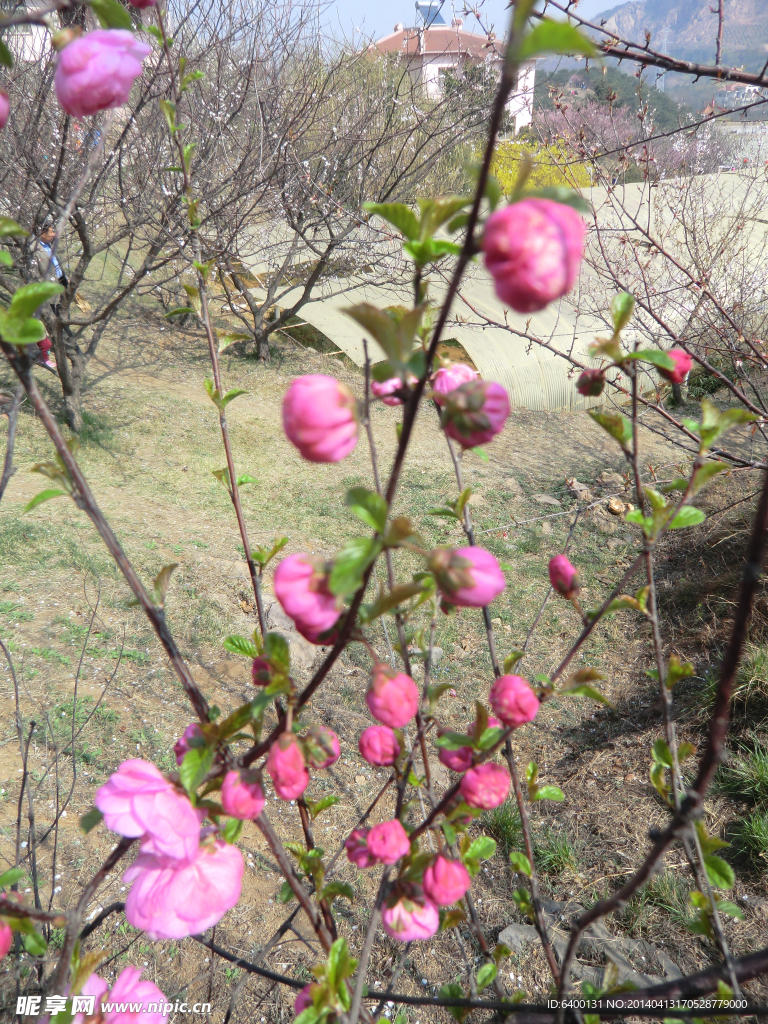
(687, 29)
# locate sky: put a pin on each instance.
(376, 18)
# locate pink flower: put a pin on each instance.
(320, 417)
(128, 988)
(170, 899)
(533, 250)
(322, 746)
(242, 796)
(448, 378)
(96, 71)
(5, 108)
(514, 701)
(486, 786)
(378, 745)
(446, 881)
(182, 744)
(137, 801)
(563, 576)
(285, 764)
(261, 672)
(591, 383)
(356, 845)
(388, 841)
(470, 577)
(301, 587)
(457, 760)
(142, 3)
(385, 389)
(408, 921)
(6, 938)
(683, 363)
(303, 999)
(392, 696)
(475, 413)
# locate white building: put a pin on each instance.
(434, 51)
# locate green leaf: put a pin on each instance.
(556, 37)
(232, 830)
(394, 328)
(11, 877)
(87, 822)
(34, 943)
(286, 893)
(586, 691)
(453, 990)
(719, 872)
(399, 215)
(240, 645)
(446, 513)
(560, 194)
(731, 909)
(368, 506)
(687, 516)
(486, 975)
(6, 57)
(111, 14)
(180, 311)
(5, 257)
(277, 651)
(169, 113)
(488, 738)
(522, 900)
(449, 832)
(53, 492)
(622, 306)
(161, 582)
(334, 889)
(520, 862)
(655, 356)
(246, 478)
(511, 660)
(195, 766)
(550, 793)
(501, 952)
(30, 296)
(452, 741)
(677, 670)
(350, 564)
(715, 423)
(10, 228)
(704, 474)
(231, 395)
(618, 426)
(661, 753)
(316, 808)
(482, 848)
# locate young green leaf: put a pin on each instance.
(687, 516)
(520, 862)
(549, 793)
(556, 37)
(622, 307)
(240, 645)
(193, 769)
(334, 889)
(232, 830)
(14, 875)
(368, 506)
(30, 296)
(52, 492)
(350, 564)
(398, 215)
(618, 426)
(10, 228)
(719, 872)
(276, 651)
(111, 14)
(317, 807)
(486, 975)
(482, 848)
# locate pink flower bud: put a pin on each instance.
(448, 378)
(96, 71)
(378, 745)
(470, 577)
(388, 841)
(591, 383)
(563, 576)
(142, 3)
(301, 587)
(446, 881)
(261, 672)
(322, 746)
(6, 939)
(242, 796)
(285, 764)
(385, 389)
(486, 786)
(182, 744)
(514, 701)
(457, 760)
(356, 846)
(320, 417)
(408, 921)
(683, 363)
(475, 413)
(533, 250)
(303, 999)
(5, 108)
(392, 696)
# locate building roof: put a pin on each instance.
(443, 39)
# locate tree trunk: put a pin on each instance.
(262, 347)
(70, 363)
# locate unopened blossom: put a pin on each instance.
(287, 768)
(241, 795)
(392, 696)
(356, 845)
(138, 801)
(301, 587)
(322, 747)
(445, 881)
(320, 417)
(470, 577)
(183, 743)
(127, 989)
(513, 700)
(388, 841)
(448, 378)
(409, 921)
(533, 251)
(378, 745)
(474, 413)
(5, 108)
(303, 999)
(563, 576)
(591, 383)
(142, 3)
(171, 899)
(96, 70)
(486, 786)
(457, 760)
(261, 672)
(6, 938)
(385, 389)
(683, 363)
